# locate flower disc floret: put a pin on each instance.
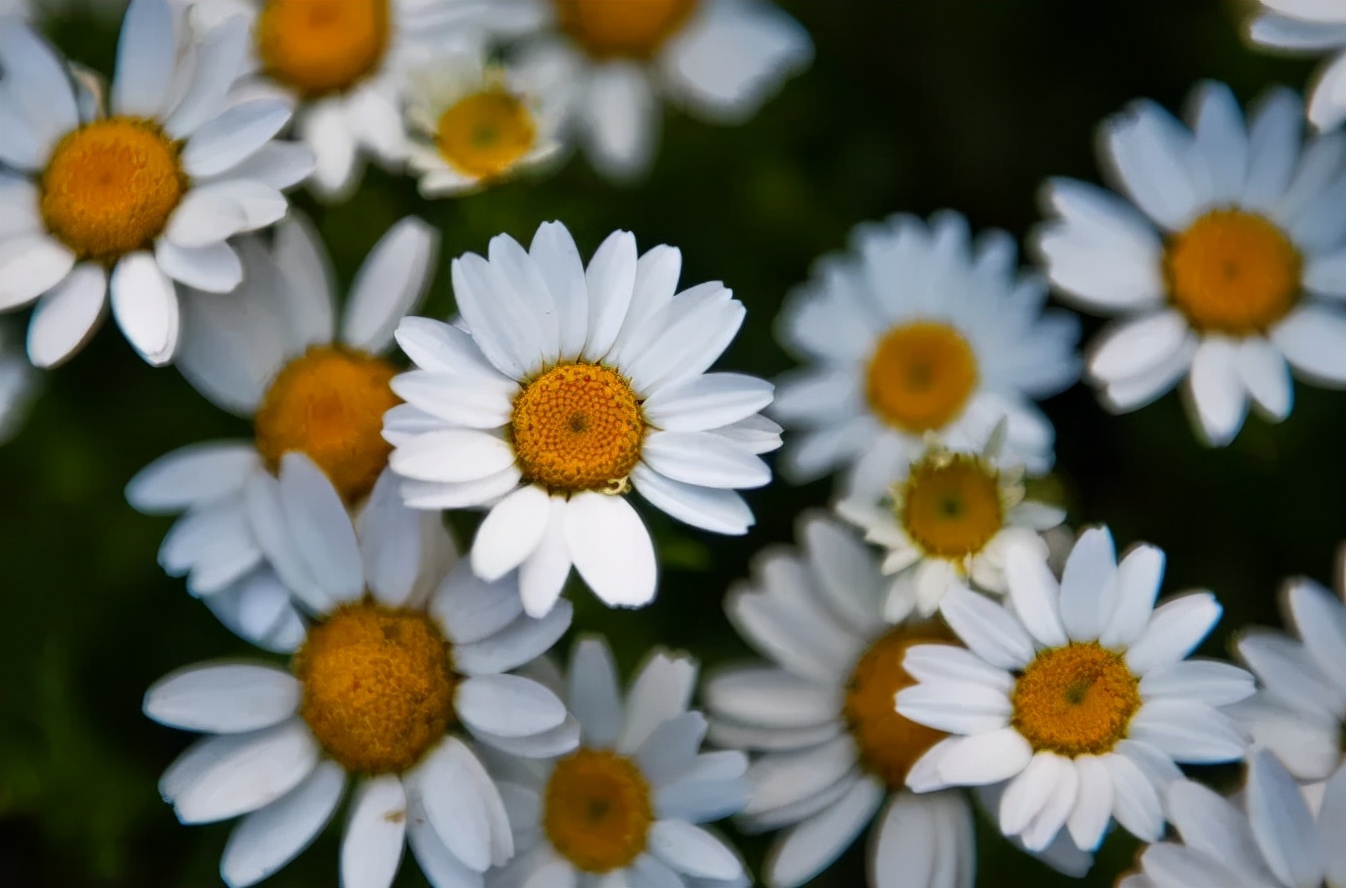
(951, 504)
(920, 376)
(1075, 700)
(318, 47)
(608, 29)
(598, 810)
(486, 134)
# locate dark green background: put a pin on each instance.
(909, 106)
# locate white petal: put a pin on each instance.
(1137, 345)
(303, 263)
(391, 543)
(1282, 823)
(1288, 671)
(1331, 826)
(1138, 577)
(372, 846)
(987, 629)
(1135, 803)
(543, 575)
(703, 459)
(619, 121)
(707, 402)
(955, 707)
(219, 60)
(1266, 376)
(448, 784)
(269, 838)
(1217, 397)
(469, 609)
(807, 848)
(228, 698)
(558, 261)
(610, 279)
(1320, 619)
(467, 399)
(1030, 790)
(37, 89)
(593, 694)
(1311, 339)
(940, 662)
(145, 304)
(511, 532)
(1093, 807)
(1087, 584)
(526, 639)
(146, 57)
(1210, 681)
(190, 475)
(1149, 150)
(611, 549)
(1220, 142)
(321, 528)
(1175, 629)
(441, 868)
(233, 136)
(692, 850)
(67, 316)
(771, 697)
(1188, 731)
(322, 126)
(660, 691)
(30, 265)
(519, 274)
(1036, 595)
(1211, 825)
(985, 758)
(709, 508)
(390, 284)
(452, 455)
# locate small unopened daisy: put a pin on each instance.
(1228, 263)
(130, 202)
(1306, 27)
(378, 688)
(17, 382)
(1079, 694)
(917, 330)
(562, 389)
(623, 808)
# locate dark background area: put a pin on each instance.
(909, 106)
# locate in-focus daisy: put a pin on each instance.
(376, 691)
(1230, 263)
(273, 351)
(1079, 694)
(132, 201)
(1305, 26)
(721, 59)
(623, 808)
(947, 517)
(914, 331)
(17, 381)
(561, 390)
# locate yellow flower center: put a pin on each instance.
(110, 187)
(921, 375)
(378, 686)
(1232, 272)
(484, 135)
(889, 743)
(950, 504)
(597, 810)
(318, 47)
(329, 403)
(578, 427)
(1075, 700)
(623, 28)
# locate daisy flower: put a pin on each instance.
(561, 390)
(721, 59)
(944, 518)
(378, 684)
(1305, 26)
(1079, 694)
(915, 331)
(133, 201)
(1268, 837)
(623, 808)
(273, 351)
(1230, 263)
(17, 381)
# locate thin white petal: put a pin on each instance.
(145, 304)
(267, 839)
(611, 549)
(390, 284)
(375, 830)
(227, 698)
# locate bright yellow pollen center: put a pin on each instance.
(1233, 272)
(318, 47)
(110, 187)
(578, 427)
(378, 686)
(920, 376)
(484, 135)
(889, 743)
(597, 810)
(1075, 700)
(623, 28)
(950, 504)
(329, 403)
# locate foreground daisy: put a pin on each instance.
(131, 202)
(1080, 695)
(622, 809)
(1231, 263)
(562, 389)
(1305, 27)
(914, 331)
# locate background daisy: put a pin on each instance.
(1305, 27)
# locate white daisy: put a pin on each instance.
(721, 59)
(1269, 837)
(1078, 693)
(16, 8)
(916, 331)
(273, 351)
(563, 388)
(1231, 263)
(17, 382)
(946, 517)
(133, 201)
(622, 809)
(1309, 26)
(374, 690)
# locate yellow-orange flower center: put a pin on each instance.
(623, 28)
(921, 375)
(597, 810)
(889, 743)
(1233, 272)
(378, 686)
(486, 134)
(318, 47)
(950, 504)
(110, 187)
(329, 403)
(1075, 700)
(578, 427)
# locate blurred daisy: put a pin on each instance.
(374, 692)
(1231, 263)
(16, 8)
(273, 351)
(721, 59)
(917, 331)
(1079, 694)
(17, 381)
(133, 201)
(622, 809)
(1304, 26)
(561, 390)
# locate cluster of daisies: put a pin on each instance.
(938, 643)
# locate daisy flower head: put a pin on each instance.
(130, 201)
(1305, 26)
(563, 388)
(386, 679)
(623, 808)
(1079, 693)
(919, 330)
(1228, 264)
